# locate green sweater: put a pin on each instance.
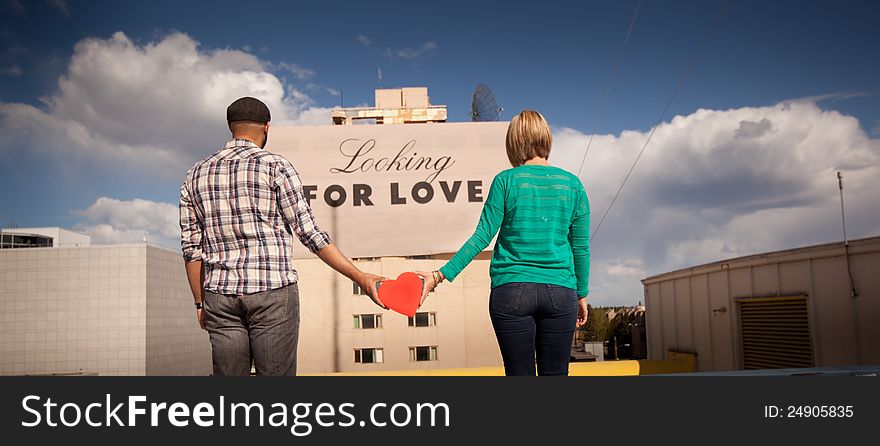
(543, 216)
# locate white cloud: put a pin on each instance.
(363, 40)
(705, 190)
(833, 97)
(120, 221)
(610, 276)
(15, 6)
(161, 104)
(11, 48)
(718, 184)
(12, 70)
(61, 6)
(410, 53)
(314, 116)
(294, 69)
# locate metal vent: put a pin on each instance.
(775, 333)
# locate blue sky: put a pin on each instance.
(556, 57)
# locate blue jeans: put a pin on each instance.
(534, 321)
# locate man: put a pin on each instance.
(238, 208)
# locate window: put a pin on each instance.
(365, 259)
(25, 241)
(367, 321)
(423, 353)
(356, 289)
(368, 355)
(423, 320)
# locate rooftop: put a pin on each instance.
(767, 257)
(408, 105)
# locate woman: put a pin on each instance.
(541, 262)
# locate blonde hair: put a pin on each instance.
(528, 136)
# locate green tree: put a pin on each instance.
(595, 328)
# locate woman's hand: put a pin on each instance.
(428, 286)
(583, 314)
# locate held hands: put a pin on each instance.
(402, 292)
(583, 314)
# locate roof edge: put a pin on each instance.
(725, 263)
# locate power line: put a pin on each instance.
(614, 72)
(697, 52)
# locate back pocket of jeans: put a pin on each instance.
(563, 298)
(506, 298)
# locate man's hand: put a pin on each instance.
(583, 314)
(200, 316)
(331, 255)
(367, 282)
(195, 275)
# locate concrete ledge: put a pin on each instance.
(676, 363)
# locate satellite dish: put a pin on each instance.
(483, 105)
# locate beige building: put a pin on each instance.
(342, 330)
(781, 309)
(408, 105)
(424, 187)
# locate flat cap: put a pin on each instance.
(248, 109)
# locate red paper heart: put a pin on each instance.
(403, 294)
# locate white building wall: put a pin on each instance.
(695, 309)
(175, 345)
(72, 310)
(105, 310)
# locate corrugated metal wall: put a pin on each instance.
(697, 309)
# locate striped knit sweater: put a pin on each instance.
(542, 217)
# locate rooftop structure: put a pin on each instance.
(394, 106)
(783, 309)
(41, 238)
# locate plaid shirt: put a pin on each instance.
(237, 209)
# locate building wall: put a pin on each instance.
(105, 310)
(463, 334)
(175, 345)
(127, 310)
(73, 310)
(844, 330)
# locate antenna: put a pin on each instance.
(852, 287)
(483, 105)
